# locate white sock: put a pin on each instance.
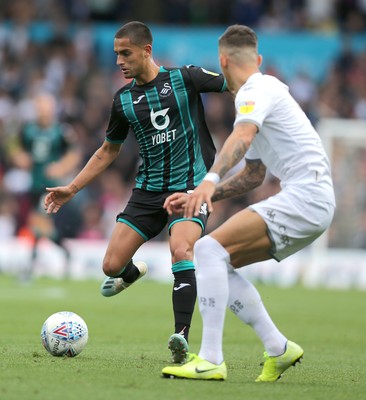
(246, 303)
(212, 292)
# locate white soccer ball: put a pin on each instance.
(64, 334)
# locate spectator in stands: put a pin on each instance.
(48, 150)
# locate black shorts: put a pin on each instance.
(145, 214)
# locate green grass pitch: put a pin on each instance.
(127, 345)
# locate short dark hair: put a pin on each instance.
(239, 36)
(137, 32)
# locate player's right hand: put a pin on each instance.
(202, 194)
(174, 204)
(57, 197)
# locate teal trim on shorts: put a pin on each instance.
(182, 266)
(114, 141)
(187, 219)
(124, 221)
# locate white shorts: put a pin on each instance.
(294, 220)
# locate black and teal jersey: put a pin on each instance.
(45, 145)
(167, 118)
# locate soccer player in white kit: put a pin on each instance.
(270, 131)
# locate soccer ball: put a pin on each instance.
(64, 334)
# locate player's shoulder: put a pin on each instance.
(272, 80)
(269, 82)
(117, 95)
(176, 68)
(200, 70)
(187, 72)
(124, 88)
(191, 68)
(262, 83)
(183, 70)
(163, 69)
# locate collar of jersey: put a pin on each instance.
(253, 77)
(161, 69)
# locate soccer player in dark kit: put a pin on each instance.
(163, 107)
(47, 148)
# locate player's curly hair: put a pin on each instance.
(137, 32)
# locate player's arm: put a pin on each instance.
(65, 165)
(233, 151)
(98, 162)
(20, 154)
(205, 81)
(234, 148)
(245, 180)
(71, 158)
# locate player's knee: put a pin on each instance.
(208, 248)
(182, 252)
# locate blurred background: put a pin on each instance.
(65, 48)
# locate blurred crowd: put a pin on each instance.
(345, 15)
(67, 69)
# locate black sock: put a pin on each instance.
(184, 298)
(130, 273)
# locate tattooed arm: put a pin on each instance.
(242, 182)
(233, 150)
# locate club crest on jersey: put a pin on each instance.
(246, 107)
(166, 90)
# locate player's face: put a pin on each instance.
(46, 109)
(130, 58)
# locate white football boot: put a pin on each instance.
(112, 286)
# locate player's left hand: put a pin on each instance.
(202, 194)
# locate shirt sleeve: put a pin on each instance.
(118, 125)
(252, 154)
(253, 105)
(206, 81)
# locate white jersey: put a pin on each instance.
(286, 141)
